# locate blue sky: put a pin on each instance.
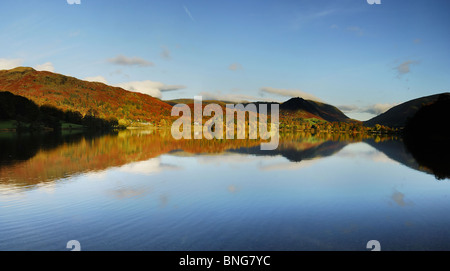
(362, 58)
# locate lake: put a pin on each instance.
(143, 190)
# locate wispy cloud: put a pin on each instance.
(348, 108)
(375, 109)
(405, 67)
(7, 64)
(130, 61)
(100, 79)
(188, 13)
(237, 98)
(293, 93)
(399, 199)
(148, 87)
(45, 67)
(71, 2)
(148, 167)
(304, 18)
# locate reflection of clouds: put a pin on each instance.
(148, 167)
(381, 158)
(127, 193)
(264, 163)
(48, 188)
(288, 165)
(10, 193)
(365, 152)
(399, 199)
(99, 175)
(228, 158)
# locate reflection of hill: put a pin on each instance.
(427, 136)
(30, 160)
(21, 147)
(296, 151)
(396, 150)
(426, 144)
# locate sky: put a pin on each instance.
(359, 57)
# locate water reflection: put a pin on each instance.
(27, 160)
(137, 190)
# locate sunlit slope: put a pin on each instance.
(69, 93)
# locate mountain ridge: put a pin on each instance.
(69, 93)
(398, 115)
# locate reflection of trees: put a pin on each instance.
(20, 147)
(31, 159)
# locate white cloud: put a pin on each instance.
(188, 13)
(290, 93)
(130, 61)
(148, 167)
(48, 66)
(236, 98)
(375, 109)
(100, 79)
(148, 87)
(289, 165)
(71, 2)
(7, 64)
(348, 108)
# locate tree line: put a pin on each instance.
(30, 116)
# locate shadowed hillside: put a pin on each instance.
(427, 136)
(399, 115)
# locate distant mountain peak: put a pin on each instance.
(324, 111)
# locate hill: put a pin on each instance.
(399, 115)
(71, 94)
(295, 108)
(320, 110)
(426, 136)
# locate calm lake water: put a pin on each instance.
(142, 190)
